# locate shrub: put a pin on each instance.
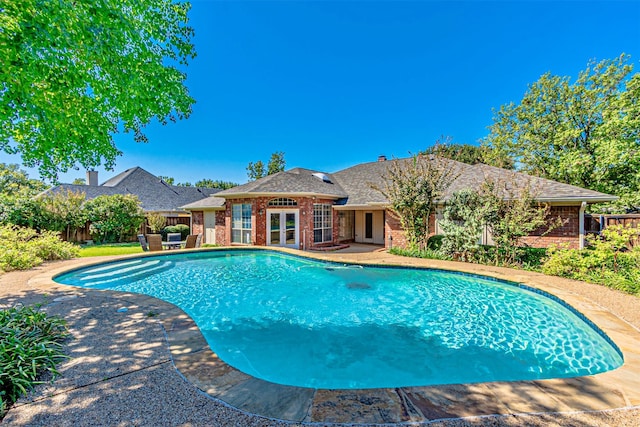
(30, 345)
(156, 221)
(435, 242)
(114, 218)
(418, 253)
(22, 248)
(610, 260)
(183, 229)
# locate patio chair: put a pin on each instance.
(143, 242)
(199, 240)
(155, 242)
(191, 241)
(174, 237)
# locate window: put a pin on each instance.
(282, 202)
(241, 223)
(322, 223)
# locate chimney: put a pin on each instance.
(92, 178)
(382, 158)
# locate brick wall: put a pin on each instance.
(568, 233)
(259, 220)
(221, 236)
(197, 222)
(393, 228)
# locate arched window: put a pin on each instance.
(281, 202)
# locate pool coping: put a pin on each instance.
(193, 358)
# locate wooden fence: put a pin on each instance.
(83, 234)
(594, 224)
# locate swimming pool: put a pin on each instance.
(296, 321)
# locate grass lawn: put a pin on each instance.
(110, 249)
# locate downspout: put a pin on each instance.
(583, 205)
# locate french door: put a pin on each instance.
(283, 228)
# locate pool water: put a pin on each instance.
(296, 321)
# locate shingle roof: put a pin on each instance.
(293, 181)
(354, 186)
(358, 181)
(154, 193)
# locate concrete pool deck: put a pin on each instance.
(149, 365)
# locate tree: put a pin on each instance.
(511, 212)
(585, 133)
(16, 182)
(114, 218)
(74, 73)
(169, 180)
(66, 210)
(276, 163)
(470, 154)
(156, 221)
(257, 170)
(463, 221)
(209, 183)
(411, 186)
(79, 181)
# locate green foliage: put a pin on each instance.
(419, 253)
(74, 73)
(79, 181)
(30, 345)
(511, 213)
(463, 222)
(585, 133)
(16, 182)
(183, 229)
(22, 248)
(208, 183)
(255, 170)
(66, 211)
(114, 218)
(258, 170)
(156, 221)
(435, 242)
(411, 186)
(470, 154)
(612, 259)
(24, 212)
(168, 179)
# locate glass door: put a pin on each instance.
(283, 227)
(274, 228)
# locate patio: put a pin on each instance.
(123, 367)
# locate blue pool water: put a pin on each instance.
(296, 321)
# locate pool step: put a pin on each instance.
(129, 271)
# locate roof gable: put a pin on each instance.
(154, 193)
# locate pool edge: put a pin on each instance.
(617, 388)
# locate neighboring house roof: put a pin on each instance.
(154, 194)
(355, 186)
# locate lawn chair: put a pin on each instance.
(143, 242)
(155, 242)
(191, 241)
(174, 237)
(199, 240)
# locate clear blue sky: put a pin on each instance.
(336, 83)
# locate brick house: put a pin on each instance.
(306, 209)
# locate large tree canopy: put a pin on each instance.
(75, 72)
(470, 154)
(585, 133)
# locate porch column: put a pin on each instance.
(583, 205)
